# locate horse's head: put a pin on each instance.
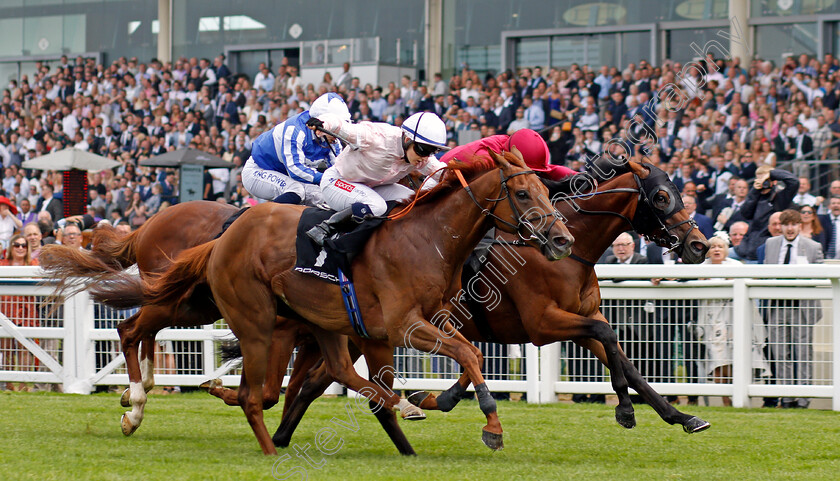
(525, 201)
(661, 215)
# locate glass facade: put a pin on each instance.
(204, 28)
(785, 8)
(56, 27)
(679, 42)
(470, 33)
(777, 42)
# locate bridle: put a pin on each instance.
(647, 188)
(665, 238)
(522, 222)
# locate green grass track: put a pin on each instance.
(195, 436)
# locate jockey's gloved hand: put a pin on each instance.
(322, 167)
(314, 123)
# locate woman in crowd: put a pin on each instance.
(811, 226)
(715, 321)
(22, 310)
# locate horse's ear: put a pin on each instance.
(638, 168)
(500, 159)
(515, 157)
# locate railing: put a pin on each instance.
(671, 331)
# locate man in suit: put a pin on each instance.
(791, 321)
(764, 199)
(726, 208)
(831, 225)
(48, 203)
(704, 224)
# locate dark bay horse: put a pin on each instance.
(407, 270)
(641, 197)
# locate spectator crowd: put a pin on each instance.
(721, 147)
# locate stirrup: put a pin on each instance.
(319, 233)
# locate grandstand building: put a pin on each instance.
(384, 39)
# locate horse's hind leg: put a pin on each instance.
(142, 325)
(668, 413)
(380, 360)
(308, 355)
(147, 361)
(282, 345)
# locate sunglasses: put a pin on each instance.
(809, 212)
(425, 150)
(19, 245)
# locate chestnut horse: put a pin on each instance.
(152, 247)
(641, 197)
(404, 274)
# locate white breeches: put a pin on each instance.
(268, 184)
(340, 194)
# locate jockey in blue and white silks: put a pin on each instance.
(285, 161)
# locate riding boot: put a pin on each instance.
(325, 229)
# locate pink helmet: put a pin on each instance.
(533, 148)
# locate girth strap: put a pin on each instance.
(351, 304)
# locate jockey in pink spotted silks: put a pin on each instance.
(363, 178)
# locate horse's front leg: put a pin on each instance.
(668, 413)
(421, 334)
(557, 324)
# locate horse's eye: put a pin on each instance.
(660, 198)
(523, 195)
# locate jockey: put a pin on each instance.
(362, 180)
(287, 162)
(530, 144)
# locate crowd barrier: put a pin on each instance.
(777, 327)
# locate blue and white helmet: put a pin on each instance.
(330, 103)
(425, 128)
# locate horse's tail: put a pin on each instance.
(111, 253)
(120, 291)
(181, 277)
(114, 248)
(231, 351)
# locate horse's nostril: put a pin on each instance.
(560, 241)
(698, 246)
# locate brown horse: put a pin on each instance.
(555, 310)
(152, 247)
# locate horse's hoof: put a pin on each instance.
(413, 413)
(626, 419)
(695, 425)
(206, 386)
(418, 397)
(492, 440)
(280, 442)
(127, 428)
(125, 399)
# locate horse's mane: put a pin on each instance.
(603, 170)
(449, 180)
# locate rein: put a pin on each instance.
(488, 212)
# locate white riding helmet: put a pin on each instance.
(426, 128)
(331, 103)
